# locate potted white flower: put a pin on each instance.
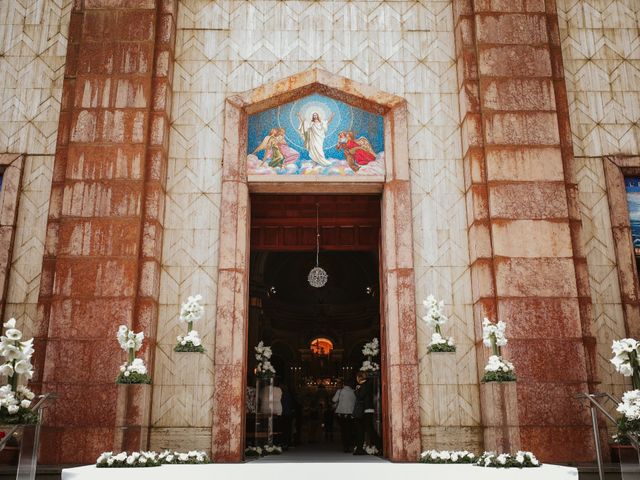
(15, 399)
(264, 368)
(497, 369)
(191, 311)
(435, 318)
(370, 350)
(133, 371)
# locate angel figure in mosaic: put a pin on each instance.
(277, 152)
(357, 152)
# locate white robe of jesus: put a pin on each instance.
(313, 134)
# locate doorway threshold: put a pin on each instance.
(318, 454)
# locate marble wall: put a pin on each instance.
(601, 54)
(405, 48)
(33, 47)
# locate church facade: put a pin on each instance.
(503, 149)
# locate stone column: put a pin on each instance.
(528, 266)
(232, 302)
(103, 247)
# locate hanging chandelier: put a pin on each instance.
(317, 276)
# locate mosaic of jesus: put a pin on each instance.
(315, 135)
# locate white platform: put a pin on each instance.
(274, 470)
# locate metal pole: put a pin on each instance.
(596, 439)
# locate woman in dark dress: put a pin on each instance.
(364, 415)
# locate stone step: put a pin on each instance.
(589, 471)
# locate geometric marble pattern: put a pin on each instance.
(603, 274)
(601, 54)
(28, 246)
(402, 47)
(33, 46)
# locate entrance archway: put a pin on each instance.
(397, 289)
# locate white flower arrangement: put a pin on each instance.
(124, 460)
(445, 456)
(497, 369)
(252, 451)
(498, 365)
(150, 459)
(134, 369)
(369, 366)
(370, 350)
(506, 460)
(190, 311)
(625, 359)
(630, 405)
(435, 318)
(629, 423)
(193, 457)
(264, 368)
(271, 450)
(265, 450)
(371, 450)
(15, 399)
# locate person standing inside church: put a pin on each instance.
(344, 401)
(364, 415)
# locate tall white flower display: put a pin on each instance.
(190, 311)
(264, 368)
(625, 359)
(435, 318)
(370, 350)
(134, 369)
(15, 399)
(498, 369)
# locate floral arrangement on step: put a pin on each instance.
(15, 399)
(371, 450)
(150, 459)
(497, 369)
(264, 367)
(263, 451)
(124, 460)
(190, 311)
(506, 460)
(193, 457)
(435, 318)
(625, 361)
(370, 350)
(445, 456)
(134, 369)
